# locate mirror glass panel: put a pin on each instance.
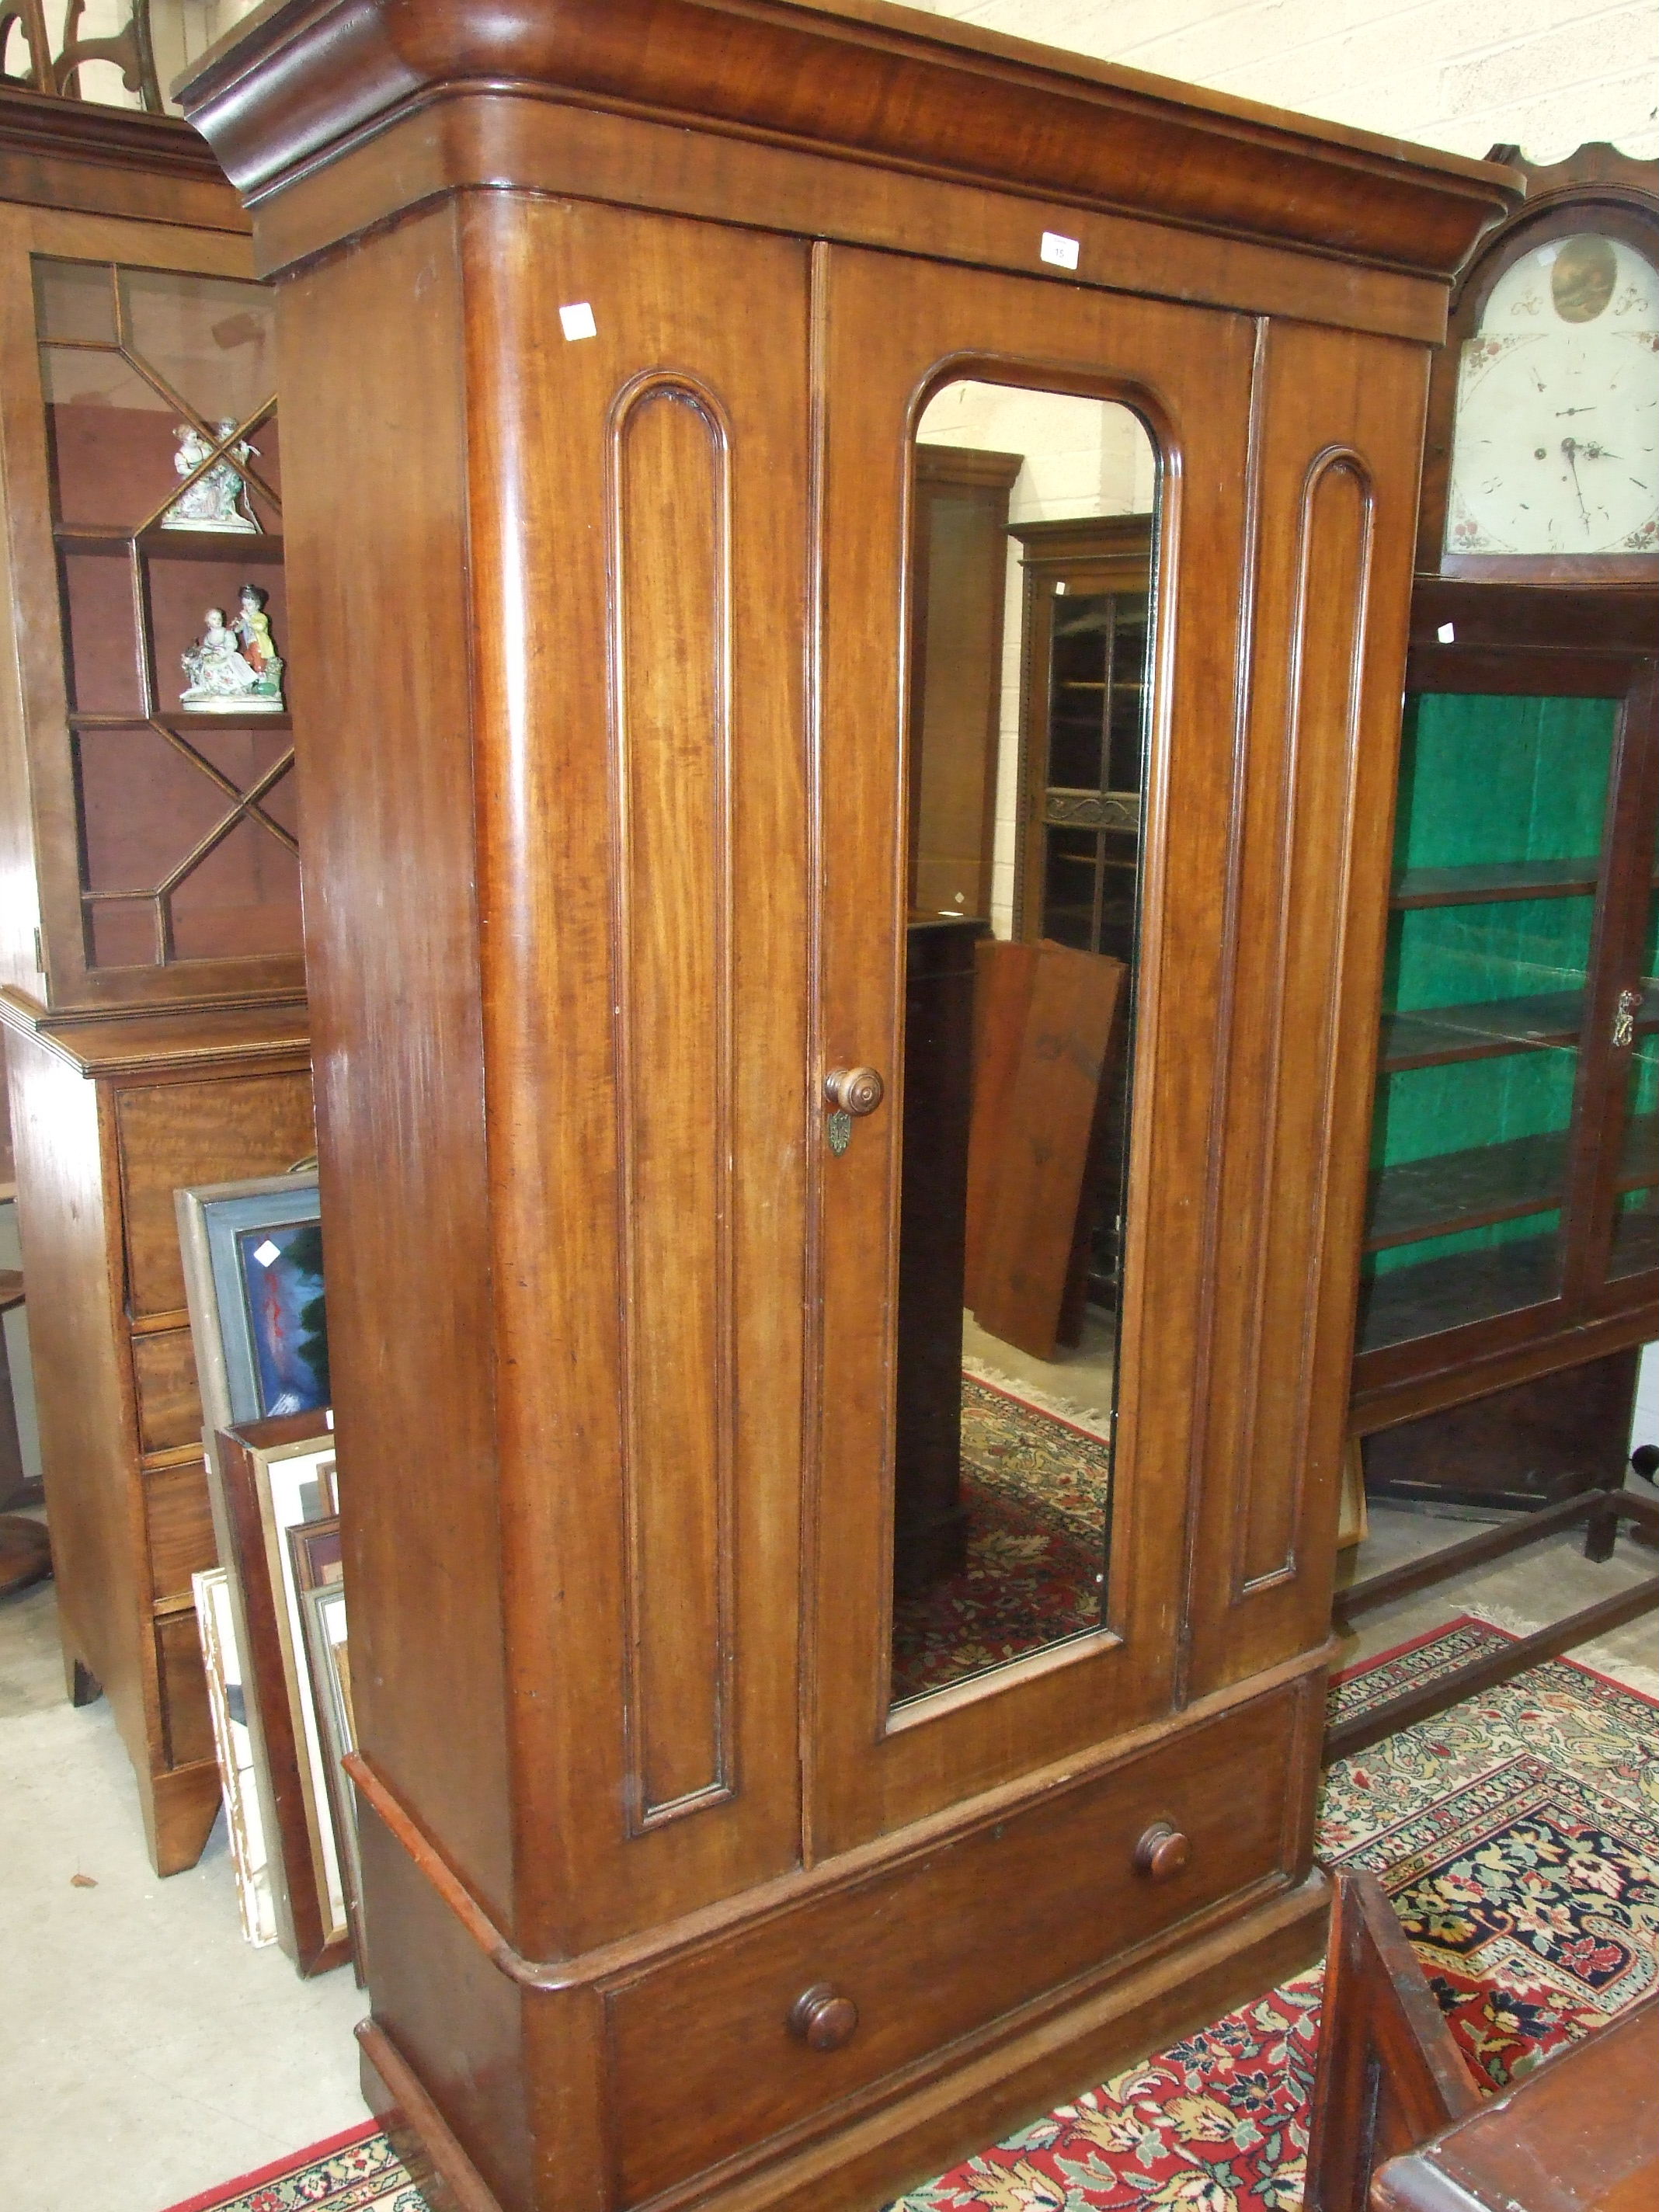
(1033, 520)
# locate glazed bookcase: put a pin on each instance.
(151, 972)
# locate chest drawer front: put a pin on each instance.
(169, 1398)
(173, 1134)
(702, 2055)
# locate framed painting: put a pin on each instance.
(314, 1548)
(329, 1654)
(253, 1285)
(233, 1747)
(275, 1477)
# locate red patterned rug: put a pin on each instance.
(1519, 1835)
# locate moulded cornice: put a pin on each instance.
(34, 122)
(300, 80)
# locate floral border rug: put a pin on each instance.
(1519, 1835)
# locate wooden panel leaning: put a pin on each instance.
(614, 838)
(1036, 1128)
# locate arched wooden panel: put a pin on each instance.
(1325, 655)
(1315, 744)
(672, 955)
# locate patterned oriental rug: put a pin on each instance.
(1035, 1487)
(1518, 1836)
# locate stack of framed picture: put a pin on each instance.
(253, 1272)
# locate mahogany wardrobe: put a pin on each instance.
(840, 1400)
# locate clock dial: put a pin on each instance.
(1555, 445)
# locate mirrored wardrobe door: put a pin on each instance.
(1022, 678)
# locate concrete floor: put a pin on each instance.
(146, 2052)
(1543, 1584)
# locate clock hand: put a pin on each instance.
(1574, 411)
(1570, 447)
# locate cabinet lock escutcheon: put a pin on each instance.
(1624, 1021)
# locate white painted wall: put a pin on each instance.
(1462, 75)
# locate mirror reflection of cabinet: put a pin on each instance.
(1087, 601)
(151, 978)
(738, 1105)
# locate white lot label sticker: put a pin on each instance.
(266, 1253)
(1447, 634)
(577, 321)
(1062, 252)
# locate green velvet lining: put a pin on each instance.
(1457, 955)
(1483, 780)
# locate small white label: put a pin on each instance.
(328, 1416)
(1447, 633)
(577, 321)
(266, 1253)
(1062, 252)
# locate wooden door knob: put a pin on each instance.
(854, 1089)
(1161, 1853)
(822, 2018)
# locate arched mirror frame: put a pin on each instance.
(1139, 399)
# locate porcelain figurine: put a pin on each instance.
(217, 499)
(235, 667)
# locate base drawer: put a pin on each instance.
(941, 1946)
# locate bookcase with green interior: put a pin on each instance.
(1515, 1134)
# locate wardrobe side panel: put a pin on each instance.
(374, 458)
(639, 534)
(1336, 471)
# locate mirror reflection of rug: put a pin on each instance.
(1519, 1835)
(1035, 1490)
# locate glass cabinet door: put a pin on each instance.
(1500, 1100)
(1498, 855)
(165, 486)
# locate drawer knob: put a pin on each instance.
(854, 1089)
(1161, 1853)
(822, 2018)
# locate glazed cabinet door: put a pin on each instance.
(1006, 1421)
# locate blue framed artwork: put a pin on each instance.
(253, 1277)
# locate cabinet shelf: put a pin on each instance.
(1448, 1192)
(177, 545)
(182, 725)
(1435, 1036)
(1495, 879)
(1457, 1288)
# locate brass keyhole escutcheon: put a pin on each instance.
(1161, 1853)
(822, 2019)
(854, 1089)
